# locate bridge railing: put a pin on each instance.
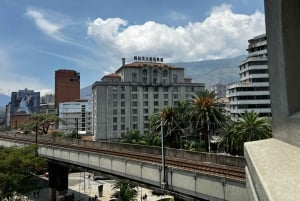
(215, 158)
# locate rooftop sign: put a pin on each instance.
(150, 59)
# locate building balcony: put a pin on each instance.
(247, 93)
(254, 67)
(257, 110)
(249, 84)
(250, 102)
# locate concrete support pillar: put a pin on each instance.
(58, 180)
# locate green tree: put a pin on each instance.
(249, 127)
(124, 191)
(207, 113)
(40, 123)
(16, 168)
(152, 139)
(133, 137)
(175, 121)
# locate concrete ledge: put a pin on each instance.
(273, 170)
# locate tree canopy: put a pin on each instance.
(40, 123)
(249, 127)
(16, 170)
(124, 191)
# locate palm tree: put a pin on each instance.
(175, 120)
(124, 191)
(207, 113)
(226, 141)
(249, 127)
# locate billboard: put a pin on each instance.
(25, 102)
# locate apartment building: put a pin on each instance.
(252, 92)
(76, 116)
(127, 98)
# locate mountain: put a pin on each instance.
(4, 100)
(86, 92)
(209, 72)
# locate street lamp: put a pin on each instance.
(163, 155)
(208, 132)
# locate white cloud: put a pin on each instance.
(47, 26)
(222, 34)
(10, 82)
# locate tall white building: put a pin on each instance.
(127, 98)
(76, 116)
(252, 92)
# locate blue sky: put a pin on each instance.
(38, 37)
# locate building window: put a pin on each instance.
(146, 125)
(122, 88)
(134, 103)
(155, 89)
(176, 103)
(134, 111)
(155, 96)
(155, 76)
(115, 111)
(175, 89)
(134, 126)
(115, 119)
(123, 119)
(145, 75)
(115, 103)
(146, 118)
(122, 127)
(115, 127)
(134, 77)
(122, 111)
(165, 73)
(165, 103)
(134, 88)
(155, 103)
(122, 96)
(145, 96)
(174, 78)
(145, 103)
(134, 96)
(123, 104)
(134, 118)
(145, 89)
(166, 89)
(115, 96)
(175, 96)
(146, 111)
(166, 96)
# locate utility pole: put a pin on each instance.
(163, 156)
(76, 123)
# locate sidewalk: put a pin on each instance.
(84, 187)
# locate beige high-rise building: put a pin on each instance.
(252, 92)
(127, 98)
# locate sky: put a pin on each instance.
(39, 37)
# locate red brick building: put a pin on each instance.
(67, 86)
